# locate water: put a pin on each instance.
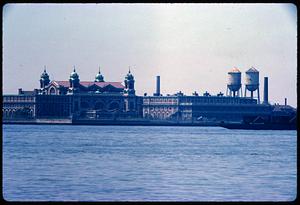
(136, 163)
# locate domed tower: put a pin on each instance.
(129, 84)
(74, 81)
(44, 81)
(234, 82)
(99, 77)
(252, 82)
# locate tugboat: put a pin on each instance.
(281, 118)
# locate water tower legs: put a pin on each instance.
(241, 92)
(258, 95)
(251, 94)
(234, 93)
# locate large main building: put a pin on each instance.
(103, 100)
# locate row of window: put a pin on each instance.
(20, 112)
(200, 101)
(160, 100)
(212, 108)
(100, 105)
(228, 108)
(52, 110)
(18, 98)
(219, 100)
(52, 99)
(160, 108)
(157, 115)
(14, 105)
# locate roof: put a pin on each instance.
(90, 83)
(28, 92)
(252, 69)
(234, 70)
(101, 84)
(62, 83)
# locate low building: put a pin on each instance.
(197, 108)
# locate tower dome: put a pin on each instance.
(74, 82)
(74, 75)
(44, 81)
(99, 77)
(129, 83)
(129, 76)
(45, 74)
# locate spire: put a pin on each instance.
(74, 74)
(45, 74)
(129, 83)
(44, 81)
(99, 77)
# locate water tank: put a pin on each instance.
(234, 79)
(252, 79)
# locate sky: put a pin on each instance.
(190, 46)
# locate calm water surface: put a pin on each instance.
(116, 163)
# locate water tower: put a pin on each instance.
(252, 82)
(234, 83)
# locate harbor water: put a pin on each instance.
(141, 163)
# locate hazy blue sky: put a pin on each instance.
(191, 46)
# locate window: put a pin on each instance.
(131, 105)
(99, 106)
(52, 91)
(114, 106)
(84, 105)
(76, 106)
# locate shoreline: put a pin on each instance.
(109, 122)
(142, 122)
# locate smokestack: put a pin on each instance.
(285, 101)
(157, 85)
(266, 90)
(20, 91)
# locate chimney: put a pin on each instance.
(285, 101)
(157, 85)
(20, 91)
(266, 90)
(36, 91)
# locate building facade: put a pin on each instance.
(197, 108)
(77, 99)
(19, 107)
(99, 99)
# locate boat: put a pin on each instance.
(259, 126)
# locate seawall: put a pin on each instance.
(124, 122)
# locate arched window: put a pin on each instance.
(52, 91)
(114, 106)
(5, 113)
(13, 113)
(99, 106)
(131, 105)
(84, 105)
(76, 106)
